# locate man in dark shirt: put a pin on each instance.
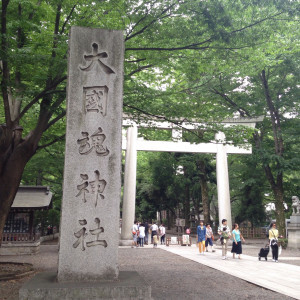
(146, 232)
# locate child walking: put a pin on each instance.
(209, 238)
(155, 241)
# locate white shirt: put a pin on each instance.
(142, 231)
(162, 230)
(135, 228)
(154, 227)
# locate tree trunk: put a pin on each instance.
(168, 220)
(9, 183)
(187, 205)
(14, 154)
(276, 181)
(279, 211)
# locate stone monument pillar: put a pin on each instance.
(92, 174)
(128, 211)
(294, 225)
(89, 231)
(223, 182)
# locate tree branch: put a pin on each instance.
(149, 24)
(30, 17)
(188, 47)
(135, 61)
(59, 138)
(139, 69)
(242, 111)
(67, 19)
(53, 121)
(40, 95)
(195, 46)
(255, 23)
(275, 119)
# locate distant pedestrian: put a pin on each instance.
(201, 233)
(138, 235)
(273, 238)
(162, 233)
(155, 240)
(237, 243)
(154, 230)
(146, 232)
(188, 230)
(134, 230)
(225, 234)
(142, 234)
(209, 238)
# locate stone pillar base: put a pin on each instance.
(45, 286)
(125, 242)
(19, 248)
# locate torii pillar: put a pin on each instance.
(128, 210)
(224, 204)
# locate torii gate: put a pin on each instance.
(132, 144)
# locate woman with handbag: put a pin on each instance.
(273, 238)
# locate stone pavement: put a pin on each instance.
(170, 276)
(279, 277)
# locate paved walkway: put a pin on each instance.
(279, 277)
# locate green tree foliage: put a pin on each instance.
(183, 59)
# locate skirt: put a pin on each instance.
(237, 248)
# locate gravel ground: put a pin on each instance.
(170, 276)
(174, 277)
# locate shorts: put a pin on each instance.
(208, 241)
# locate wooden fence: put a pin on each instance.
(253, 233)
(20, 237)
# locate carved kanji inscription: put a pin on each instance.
(96, 232)
(87, 144)
(96, 56)
(95, 99)
(95, 187)
(81, 235)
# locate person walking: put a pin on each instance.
(237, 243)
(224, 233)
(201, 233)
(146, 232)
(134, 230)
(162, 232)
(154, 230)
(188, 230)
(142, 234)
(273, 238)
(209, 238)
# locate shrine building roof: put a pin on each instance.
(36, 197)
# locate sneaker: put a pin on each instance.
(226, 257)
(273, 259)
(276, 261)
(223, 257)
